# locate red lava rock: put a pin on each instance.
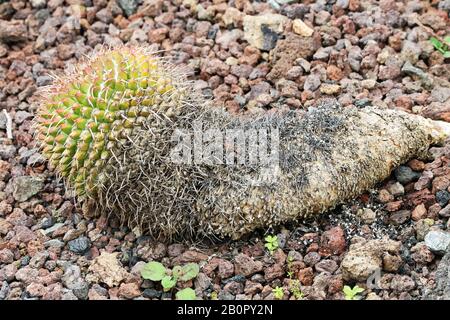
(440, 183)
(334, 73)
(36, 289)
(53, 292)
(246, 266)
(306, 276)
(255, 250)
(404, 102)
(190, 256)
(421, 254)
(225, 269)
(434, 210)
(22, 235)
(176, 249)
(129, 290)
(273, 272)
(394, 205)
(252, 287)
(419, 212)
(421, 196)
(5, 226)
(335, 285)
(400, 217)
(157, 35)
(234, 287)
(424, 180)
(13, 31)
(334, 240)
(6, 256)
(8, 272)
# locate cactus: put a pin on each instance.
(88, 111)
(107, 128)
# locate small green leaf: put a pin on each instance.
(168, 283)
(357, 290)
(436, 43)
(447, 54)
(270, 238)
(186, 294)
(348, 291)
(189, 271)
(154, 271)
(177, 271)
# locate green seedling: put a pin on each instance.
(271, 243)
(294, 287)
(155, 271)
(352, 293)
(278, 293)
(442, 46)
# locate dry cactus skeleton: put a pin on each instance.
(108, 128)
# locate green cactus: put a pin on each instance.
(85, 113)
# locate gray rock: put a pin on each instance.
(13, 31)
(425, 79)
(225, 295)
(410, 51)
(440, 94)
(322, 53)
(151, 293)
(438, 241)
(73, 280)
(327, 265)
(129, 7)
(342, 3)
(2, 121)
(396, 189)
(68, 295)
(43, 81)
(405, 175)
(56, 226)
(354, 58)
(400, 217)
(21, 116)
(38, 4)
(442, 278)
(202, 281)
(54, 243)
(442, 197)
(35, 159)
(311, 258)
(4, 290)
(444, 5)
(7, 151)
(38, 259)
(25, 154)
(312, 82)
(25, 187)
(79, 245)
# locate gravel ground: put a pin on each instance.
(249, 56)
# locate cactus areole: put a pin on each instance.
(107, 128)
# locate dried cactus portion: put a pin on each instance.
(86, 113)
